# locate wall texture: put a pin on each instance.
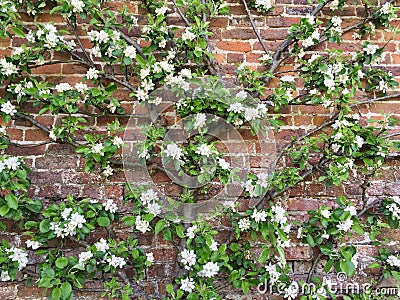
(57, 169)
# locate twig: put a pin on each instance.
(130, 41)
(183, 17)
(391, 135)
(73, 26)
(313, 267)
(44, 128)
(255, 29)
(276, 60)
(53, 62)
(330, 122)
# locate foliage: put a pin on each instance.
(349, 145)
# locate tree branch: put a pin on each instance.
(255, 29)
(276, 60)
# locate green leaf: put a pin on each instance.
(180, 231)
(18, 32)
(310, 240)
(4, 210)
(61, 262)
(347, 267)
(12, 201)
(396, 275)
(234, 247)
(329, 265)
(374, 265)
(66, 290)
(44, 226)
(245, 286)
(103, 221)
(160, 226)
(357, 229)
(56, 294)
(129, 220)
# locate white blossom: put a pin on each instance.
(63, 87)
(204, 150)
(144, 73)
(4, 276)
(359, 141)
(209, 270)
(33, 244)
(148, 196)
(18, 51)
(279, 214)
(241, 95)
(191, 231)
(77, 220)
(96, 51)
(18, 255)
(154, 208)
(345, 225)
(325, 213)
(8, 68)
(97, 149)
(236, 107)
(244, 224)
(108, 171)
(8, 108)
(259, 216)
(102, 245)
(84, 257)
(393, 261)
(81, 87)
(251, 113)
(174, 151)
(118, 141)
(162, 43)
(263, 4)
(310, 19)
(12, 163)
(66, 213)
(187, 285)
(214, 246)
(199, 120)
(287, 78)
(383, 86)
(188, 35)
(223, 164)
(130, 51)
(141, 225)
(186, 73)
(142, 94)
(273, 273)
(371, 49)
(352, 210)
(313, 58)
(116, 262)
(77, 5)
(160, 11)
(263, 180)
(110, 206)
(150, 257)
(188, 258)
(229, 204)
(92, 73)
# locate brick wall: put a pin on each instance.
(57, 169)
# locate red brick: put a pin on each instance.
(234, 46)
